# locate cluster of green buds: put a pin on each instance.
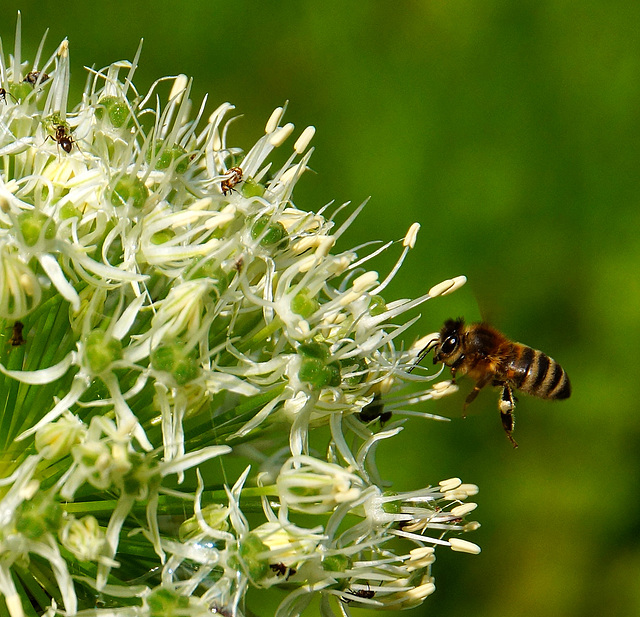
(192, 378)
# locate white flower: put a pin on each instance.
(306, 484)
(176, 305)
(84, 538)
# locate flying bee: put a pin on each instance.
(489, 357)
(235, 177)
(16, 336)
(62, 137)
(33, 76)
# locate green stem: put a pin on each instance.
(168, 504)
(262, 335)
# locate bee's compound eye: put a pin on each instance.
(449, 345)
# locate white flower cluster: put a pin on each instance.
(165, 304)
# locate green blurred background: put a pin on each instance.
(509, 130)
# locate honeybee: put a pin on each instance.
(16, 336)
(489, 357)
(64, 140)
(235, 177)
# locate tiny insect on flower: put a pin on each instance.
(62, 138)
(234, 178)
(16, 335)
(35, 77)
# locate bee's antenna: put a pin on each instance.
(423, 352)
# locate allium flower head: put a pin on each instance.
(164, 303)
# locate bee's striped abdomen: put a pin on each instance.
(539, 375)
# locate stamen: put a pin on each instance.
(274, 120)
(280, 135)
(304, 140)
(448, 286)
(412, 236)
(463, 546)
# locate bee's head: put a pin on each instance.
(449, 347)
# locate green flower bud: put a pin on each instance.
(173, 359)
(314, 350)
(250, 548)
(313, 372)
(160, 237)
(271, 234)
(303, 304)
(69, 211)
(377, 305)
(163, 602)
(38, 516)
(314, 368)
(357, 367)
(168, 156)
(33, 225)
(250, 188)
(185, 370)
(130, 188)
(208, 269)
(336, 563)
(21, 90)
(162, 358)
(391, 507)
(333, 376)
(101, 351)
(117, 110)
(215, 515)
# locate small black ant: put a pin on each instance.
(64, 140)
(367, 594)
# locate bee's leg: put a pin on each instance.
(506, 405)
(454, 368)
(481, 383)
